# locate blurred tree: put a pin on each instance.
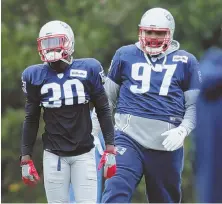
(100, 26)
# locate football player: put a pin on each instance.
(208, 134)
(63, 88)
(150, 84)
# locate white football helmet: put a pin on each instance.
(56, 42)
(156, 19)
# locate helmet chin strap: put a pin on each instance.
(154, 59)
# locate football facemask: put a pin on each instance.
(154, 45)
(53, 48)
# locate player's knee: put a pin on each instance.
(117, 189)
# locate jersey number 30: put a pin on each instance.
(145, 76)
(66, 88)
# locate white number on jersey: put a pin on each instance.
(68, 93)
(145, 77)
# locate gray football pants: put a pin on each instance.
(80, 171)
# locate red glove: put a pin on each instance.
(108, 160)
(29, 174)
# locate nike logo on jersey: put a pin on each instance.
(78, 73)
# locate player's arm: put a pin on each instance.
(191, 85)
(112, 92)
(101, 104)
(29, 131)
(30, 128)
(192, 82)
(112, 86)
(104, 116)
(113, 81)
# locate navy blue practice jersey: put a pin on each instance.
(75, 86)
(65, 99)
(208, 134)
(154, 91)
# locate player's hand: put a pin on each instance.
(111, 149)
(175, 138)
(29, 174)
(108, 160)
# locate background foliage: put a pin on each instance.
(100, 26)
